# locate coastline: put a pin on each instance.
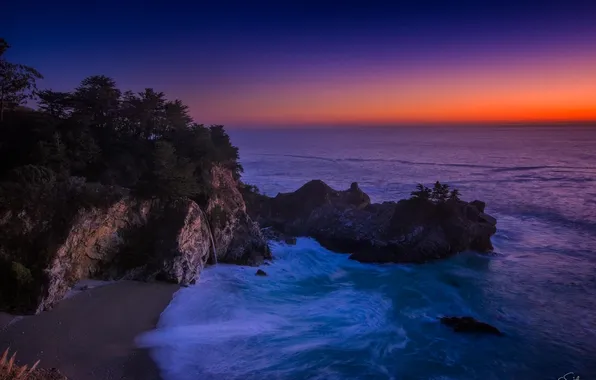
(91, 335)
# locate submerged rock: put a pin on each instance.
(469, 325)
(261, 272)
(408, 231)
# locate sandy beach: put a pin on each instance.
(90, 335)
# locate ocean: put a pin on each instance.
(318, 315)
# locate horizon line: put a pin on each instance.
(310, 125)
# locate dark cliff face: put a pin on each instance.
(413, 230)
(46, 248)
(289, 212)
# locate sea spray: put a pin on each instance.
(320, 315)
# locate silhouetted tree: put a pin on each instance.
(226, 153)
(454, 194)
(96, 101)
(141, 141)
(440, 192)
(57, 104)
(177, 115)
(17, 82)
(422, 192)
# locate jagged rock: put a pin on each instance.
(469, 325)
(261, 273)
(479, 205)
(409, 231)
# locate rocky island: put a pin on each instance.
(416, 230)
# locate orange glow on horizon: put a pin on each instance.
(555, 90)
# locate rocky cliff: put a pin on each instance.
(408, 231)
(77, 230)
(237, 238)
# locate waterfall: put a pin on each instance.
(210, 236)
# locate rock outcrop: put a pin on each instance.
(46, 249)
(408, 231)
(469, 325)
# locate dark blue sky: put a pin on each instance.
(201, 51)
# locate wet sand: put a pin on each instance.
(91, 335)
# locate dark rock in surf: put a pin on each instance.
(408, 231)
(275, 235)
(469, 325)
(261, 272)
(290, 240)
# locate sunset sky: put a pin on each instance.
(311, 63)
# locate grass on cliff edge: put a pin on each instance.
(9, 370)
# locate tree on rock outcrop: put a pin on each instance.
(454, 194)
(440, 192)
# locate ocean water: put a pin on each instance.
(318, 315)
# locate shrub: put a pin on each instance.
(21, 273)
(10, 371)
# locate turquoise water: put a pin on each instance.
(318, 315)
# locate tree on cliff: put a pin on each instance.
(17, 82)
(56, 104)
(136, 140)
(422, 192)
(172, 176)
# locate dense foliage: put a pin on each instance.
(99, 133)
